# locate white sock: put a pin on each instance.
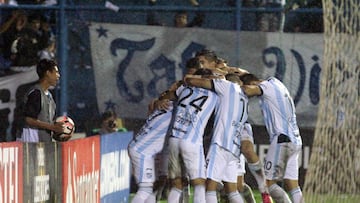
(199, 194)
(257, 171)
(142, 194)
(278, 194)
(235, 197)
(296, 195)
(211, 197)
(174, 195)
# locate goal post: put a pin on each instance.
(333, 174)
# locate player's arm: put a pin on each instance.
(160, 104)
(163, 101)
(237, 71)
(199, 82)
(56, 127)
(32, 110)
(252, 90)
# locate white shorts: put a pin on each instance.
(187, 156)
(30, 135)
(143, 167)
(221, 164)
(247, 133)
(281, 161)
(241, 166)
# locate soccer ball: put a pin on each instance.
(69, 129)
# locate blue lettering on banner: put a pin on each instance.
(280, 68)
(314, 87)
(131, 47)
(189, 52)
(161, 63)
(169, 67)
(302, 76)
(280, 61)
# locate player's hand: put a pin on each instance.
(188, 77)
(58, 127)
(162, 104)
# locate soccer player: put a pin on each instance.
(222, 65)
(224, 152)
(149, 141)
(209, 59)
(142, 149)
(193, 110)
(281, 163)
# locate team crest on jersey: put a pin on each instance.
(149, 173)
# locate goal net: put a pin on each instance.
(334, 169)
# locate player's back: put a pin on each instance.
(279, 110)
(230, 115)
(152, 134)
(193, 110)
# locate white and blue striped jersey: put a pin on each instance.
(279, 110)
(151, 137)
(193, 110)
(231, 114)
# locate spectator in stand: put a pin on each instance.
(30, 41)
(49, 51)
(248, 18)
(181, 20)
(10, 2)
(109, 123)
(10, 30)
(271, 21)
(304, 22)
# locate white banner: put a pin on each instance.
(133, 63)
(11, 87)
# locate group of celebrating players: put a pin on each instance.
(199, 129)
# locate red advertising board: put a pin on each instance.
(11, 172)
(81, 170)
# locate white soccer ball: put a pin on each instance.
(69, 129)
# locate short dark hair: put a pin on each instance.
(45, 65)
(193, 63)
(203, 71)
(232, 77)
(208, 54)
(248, 78)
(220, 60)
(106, 115)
